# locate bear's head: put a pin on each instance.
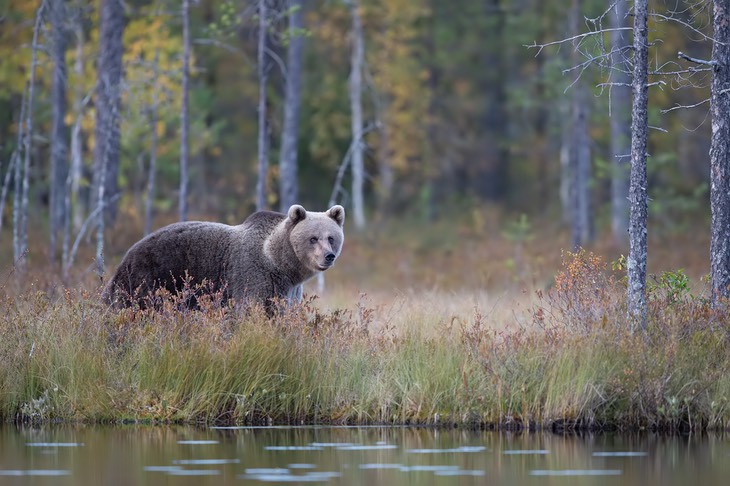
(316, 238)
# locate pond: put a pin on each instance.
(130, 455)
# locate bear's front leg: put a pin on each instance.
(294, 296)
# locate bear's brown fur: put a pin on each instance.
(265, 258)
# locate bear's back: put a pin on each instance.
(164, 258)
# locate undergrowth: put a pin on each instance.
(570, 361)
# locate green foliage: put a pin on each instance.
(619, 264)
(670, 286)
(227, 21)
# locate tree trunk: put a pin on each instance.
(184, 122)
(263, 147)
(153, 145)
(6, 184)
(492, 175)
(636, 265)
(59, 143)
(581, 169)
(288, 187)
(620, 129)
(20, 257)
(355, 86)
(580, 164)
(108, 87)
(542, 117)
(100, 209)
(18, 173)
(77, 161)
(386, 176)
(720, 155)
(566, 186)
(65, 266)
(73, 207)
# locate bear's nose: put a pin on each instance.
(330, 257)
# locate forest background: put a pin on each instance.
(471, 140)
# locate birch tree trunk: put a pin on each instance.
(108, 86)
(20, 256)
(355, 87)
(101, 206)
(288, 186)
(59, 143)
(184, 122)
(18, 173)
(73, 207)
(620, 129)
(636, 265)
(77, 161)
(263, 149)
(65, 262)
(720, 155)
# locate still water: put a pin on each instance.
(371, 456)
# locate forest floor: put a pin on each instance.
(475, 321)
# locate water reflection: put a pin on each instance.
(65, 455)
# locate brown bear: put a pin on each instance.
(265, 259)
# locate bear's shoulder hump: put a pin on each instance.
(262, 219)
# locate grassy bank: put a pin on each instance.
(564, 358)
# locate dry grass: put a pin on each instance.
(445, 326)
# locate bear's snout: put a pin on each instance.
(329, 258)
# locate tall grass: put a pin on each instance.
(568, 360)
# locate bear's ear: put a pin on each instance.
(296, 213)
(337, 213)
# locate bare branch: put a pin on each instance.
(337, 187)
(278, 60)
(540, 47)
(594, 59)
(682, 55)
(82, 231)
(690, 70)
(680, 107)
(685, 24)
(604, 85)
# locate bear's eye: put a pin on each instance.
(331, 240)
(313, 240)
